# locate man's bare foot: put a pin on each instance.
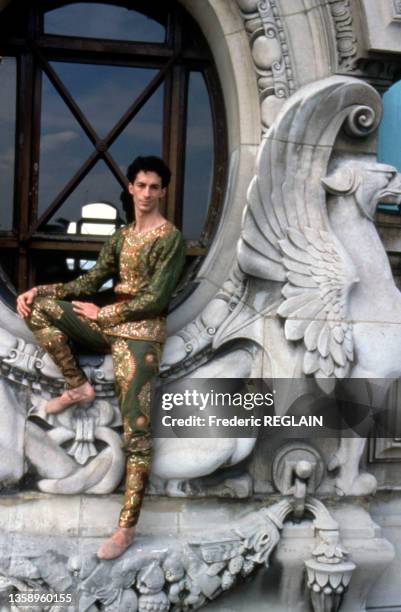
(84, 394)
(117, 543)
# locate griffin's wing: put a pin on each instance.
(286, 234)
(319, 277)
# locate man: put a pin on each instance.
(146, 258)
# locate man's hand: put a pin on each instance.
(24, 301)
(86, 309)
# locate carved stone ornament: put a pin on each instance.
(161, 575)
(270, 55)
(303, 284)
(397, 10)
(307, 276)
(73, 452)
(347, 46)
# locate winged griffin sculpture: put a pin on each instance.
(317, 292)
(311, 294)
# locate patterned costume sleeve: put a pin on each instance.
(152, 299)
(88, 283)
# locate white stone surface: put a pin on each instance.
(381, 28)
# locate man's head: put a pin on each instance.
(149, 164)
(148, 179)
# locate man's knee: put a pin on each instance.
(44, 311)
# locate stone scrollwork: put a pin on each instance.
(306, 272)
(76, 451)
(347, 46)
(270, 55)
(178, 575)
(302, 287)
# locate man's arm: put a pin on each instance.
(86, 284)
(91, 281)
(153, 299)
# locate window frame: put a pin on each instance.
(34, 50)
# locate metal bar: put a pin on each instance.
(176, 154)
(53, 42)
(138, 103)
(65, 94)
(175, 117)
(220, 152)
(66, 191)
(115, 168)
(35, 158)
(23, 163)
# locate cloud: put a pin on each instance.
(51, 142)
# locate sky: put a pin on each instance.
(103, 21)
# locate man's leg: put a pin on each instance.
(54, 323)
(136, 365)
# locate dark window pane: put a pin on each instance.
(199, 158)
(103, 93)
(99, 186)
(103, 21)
(51, 267)
(143, 135)
(8, 274)
(63, 146)
(8, 79)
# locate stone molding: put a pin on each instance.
(347, 45)
(397, 10)
(183, 573)
(270, 54)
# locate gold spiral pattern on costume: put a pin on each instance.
(124, 365)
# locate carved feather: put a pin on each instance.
(329, 346)
(286, 234)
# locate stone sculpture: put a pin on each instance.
(160, 576)
(310, 269)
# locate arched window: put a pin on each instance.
(87, 86)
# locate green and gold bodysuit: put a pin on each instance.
(145, 268)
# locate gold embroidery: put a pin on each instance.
(144, 399)
(151, 330)
(135, 483)
(124, 365)
(133, 264)
(50, 338)
(55, 342)
(41, 308)
(54, 291)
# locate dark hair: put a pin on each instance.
(149, 164)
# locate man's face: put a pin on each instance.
(146, 191)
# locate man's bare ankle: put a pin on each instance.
(127, 532)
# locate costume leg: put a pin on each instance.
(136, 365)
(54, 323)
